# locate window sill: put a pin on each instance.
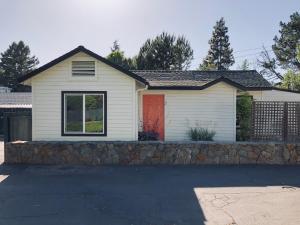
(82, 135)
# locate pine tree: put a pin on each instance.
(298, 53)
(115, 47)
(245, 65)
(220, 54)
(15, 62)
(284, 49)
(285, 46)
(165, 52)
(118, 57)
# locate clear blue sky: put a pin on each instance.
(54, 27)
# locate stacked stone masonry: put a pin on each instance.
(151, 153)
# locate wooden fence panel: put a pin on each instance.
(17, 126)
(275, 121)
(4, 111)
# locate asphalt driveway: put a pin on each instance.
(37, 195)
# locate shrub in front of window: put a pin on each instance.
(201, 134)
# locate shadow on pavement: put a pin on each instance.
(122, 195)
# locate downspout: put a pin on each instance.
(137, 110)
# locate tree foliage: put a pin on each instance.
(118, 57)
(291, 80)
(243, 113)
(208, 66)
(115, 47)
(284, 48)
(220, 53)
(245, 65)
(165, 52)
(15, 62)
(269, 65)
(298, 53)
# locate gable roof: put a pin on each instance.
(244, 79)
(73, 52)
(173, 80)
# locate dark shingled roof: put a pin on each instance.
(181, 80)
(247, 78)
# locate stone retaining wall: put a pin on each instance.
(149, 153)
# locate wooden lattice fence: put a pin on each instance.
(275, 121)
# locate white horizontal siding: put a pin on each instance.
(274, 95)
(213, 108)
(121, 100)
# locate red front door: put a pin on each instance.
(154, 114)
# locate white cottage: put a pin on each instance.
(81, 96)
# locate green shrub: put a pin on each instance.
(148, 136)
(201, 134)
(243, 113)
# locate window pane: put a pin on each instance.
(94, 113)
(74, 113)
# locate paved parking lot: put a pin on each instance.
(226, 195)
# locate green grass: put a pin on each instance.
(90, 127)
(93, 126)
(74, 126)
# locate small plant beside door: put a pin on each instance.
(150, 132)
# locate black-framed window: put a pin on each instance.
(84, 113)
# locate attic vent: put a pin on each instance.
(83, 68)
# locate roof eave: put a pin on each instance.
(209, 84)
(270, 89)
(73, 52)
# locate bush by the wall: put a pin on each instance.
(148, 136)
(243, 113)
(201, 134)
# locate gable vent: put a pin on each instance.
(83, 68)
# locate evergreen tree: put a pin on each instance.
(118, 57)
(285, 46)
(284, 49)
(115, 47)
(245, 65)
(298, 53)
(220, 54)
(15, 62)
(269, 65)
(165, 52)
(291, 80)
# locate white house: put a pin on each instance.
(81, 96)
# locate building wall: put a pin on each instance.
(46, 97)
(274, 95)
(213, 108)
